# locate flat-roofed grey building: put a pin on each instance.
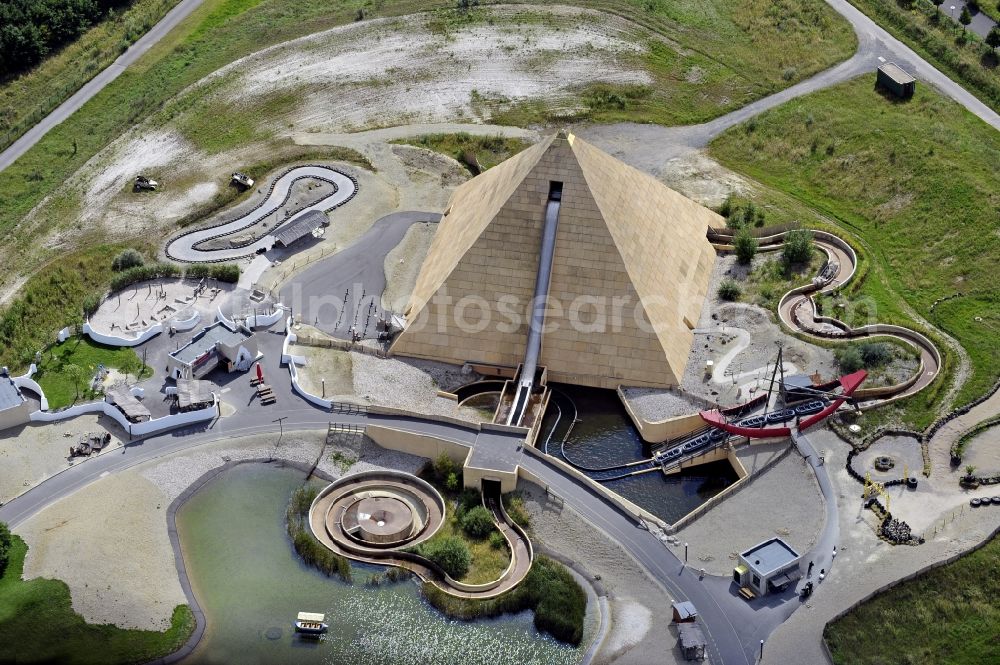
(767, 567)
(14, 408)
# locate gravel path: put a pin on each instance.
(658, 404)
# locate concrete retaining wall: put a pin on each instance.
(472, 477)
(163, 424)
(655, 431)
(113, 340)
(186, 324)
(421, 445)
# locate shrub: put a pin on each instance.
(745, 245)
(451, 482)
(450, 553)
(559, 602)
(90, 304)
(797, 247)
(5, 545)
(128, 258)
(514, 505)
(849, 359)
(875, 354)
(444, 466)
(143, 273)
(497, 540)
(477, 522)
(224, 272)
(730, 290)
(313, 552)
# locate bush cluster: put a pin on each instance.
(730, 290)
(448, 552)
(868, 355)
(745, 245)
(224, 272)
(477, 522)
(142, 273)
(5, 545)
(128, 258)
(558, 601)
(740, 214)
(797, 248)
(311, 550)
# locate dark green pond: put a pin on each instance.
(251, 585)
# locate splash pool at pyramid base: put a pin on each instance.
(251, 584)
(605, 436)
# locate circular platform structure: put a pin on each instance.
(377, 511)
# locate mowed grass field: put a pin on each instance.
(62, 389)
(38, 625)
(916, 183)
(947, 616)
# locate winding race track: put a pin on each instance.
(185, 246)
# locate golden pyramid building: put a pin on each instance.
(628, 274)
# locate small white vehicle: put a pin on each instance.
(242, 180)
(145, 183)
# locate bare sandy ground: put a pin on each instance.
(140, 306)
(402, 265)
(392, 382)
(865, 563)
(32, 453)
(640, 630)
(783, 501)
(109, 543)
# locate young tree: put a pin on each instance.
(937, 5)
(993, 38)
(75, 374)
(965, 19)
(745, 245)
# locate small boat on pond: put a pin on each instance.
(311, 624)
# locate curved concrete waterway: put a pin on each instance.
(185, 246)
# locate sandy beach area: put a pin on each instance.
(32, 453)
(782, 501)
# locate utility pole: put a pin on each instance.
(281, 432)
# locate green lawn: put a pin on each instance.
(58, 383)
(947, 616)
(38, 625)
(52, 299)
(916, 184)
(488, 150)
(961, 55)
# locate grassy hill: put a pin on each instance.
(916, 183)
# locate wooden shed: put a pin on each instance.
(893, 78)
(691, 641)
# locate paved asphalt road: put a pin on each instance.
(96, 84)
(337, 295)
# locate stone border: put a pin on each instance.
(199, 616)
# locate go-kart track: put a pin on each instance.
(185, 246)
